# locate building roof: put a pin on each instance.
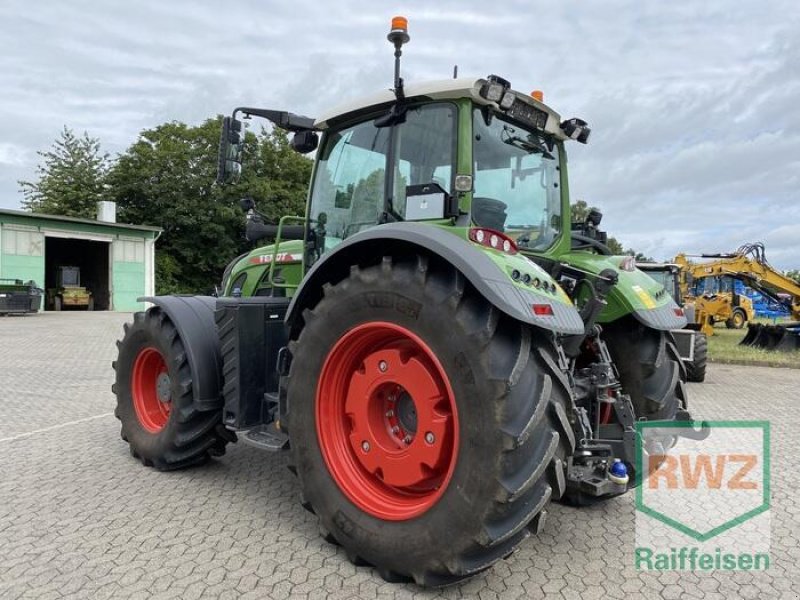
(44, 217)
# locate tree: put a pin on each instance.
(167, 178)
(71, 178)
(794, 274)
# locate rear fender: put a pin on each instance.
(489, 272)
(193, 318)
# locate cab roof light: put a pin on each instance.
(494, 88)
(537, 95)
(399, 24)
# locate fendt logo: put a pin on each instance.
(704, 485)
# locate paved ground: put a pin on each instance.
(79, 518)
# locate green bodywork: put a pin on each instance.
(265, 270)
(635, 290)
(279, 270)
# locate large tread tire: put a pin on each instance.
(649, 368)
(514, 435)
(190, 436)
(696, 370)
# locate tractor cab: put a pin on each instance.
(471, 155)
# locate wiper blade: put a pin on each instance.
(529, 145)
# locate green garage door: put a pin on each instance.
(128, 274)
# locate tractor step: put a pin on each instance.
(267, 437)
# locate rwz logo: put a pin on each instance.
(688, 472)
(702, 486)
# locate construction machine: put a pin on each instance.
(749, 264)
(437, 351)
(68, 291)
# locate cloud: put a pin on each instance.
(696, 126)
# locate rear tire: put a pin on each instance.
(155, 403)
(696, 370)
(507, 417)
(737, 320)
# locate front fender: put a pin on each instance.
(489, 271)
(636, 293)
(193, 318)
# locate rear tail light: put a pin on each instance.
(678, 312)
(542, 310)
(493, 239)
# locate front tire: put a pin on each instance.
(737, 320)
(487, 387)
(155, 403)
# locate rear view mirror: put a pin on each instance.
(305, 141)
(231, 149)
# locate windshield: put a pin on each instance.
(516, 181)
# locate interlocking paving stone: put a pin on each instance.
(79, 518)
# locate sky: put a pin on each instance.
(693, 105)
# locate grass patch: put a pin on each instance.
(723, 347)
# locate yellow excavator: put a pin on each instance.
(747, 264)
(709, 308)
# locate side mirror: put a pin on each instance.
(247, 204)
(231, 149)
(594, 217)
(305, 141)
(576, 129)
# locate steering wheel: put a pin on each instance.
(582, 242)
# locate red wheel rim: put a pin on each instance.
(150, 387)
(386, 421)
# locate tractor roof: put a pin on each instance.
(465, 87)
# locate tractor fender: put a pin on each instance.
(484, 273)
(193, 318)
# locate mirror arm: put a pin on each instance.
(280, 118)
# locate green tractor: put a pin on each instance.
(68, 292)
(436, 348)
